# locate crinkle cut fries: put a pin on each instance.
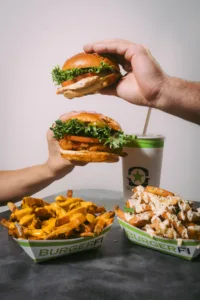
(161, 213)
(65, 218)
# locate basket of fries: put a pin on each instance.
(49, 230)
(161, 220)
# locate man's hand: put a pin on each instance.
(143, 83)
(58, 166)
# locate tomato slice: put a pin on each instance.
(68, 82)
(82, 139)
(71, 81)
(85, 75)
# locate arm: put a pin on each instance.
(181, 98)
(14, 185)
(146, 83)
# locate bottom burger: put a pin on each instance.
(90, 137)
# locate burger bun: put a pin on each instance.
(89, 156)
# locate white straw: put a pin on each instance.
(146, 121)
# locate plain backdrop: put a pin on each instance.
(37, 35)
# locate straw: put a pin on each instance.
(147, 121)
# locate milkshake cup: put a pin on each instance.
(143, 163)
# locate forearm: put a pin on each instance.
(14, 185)
(181, 98)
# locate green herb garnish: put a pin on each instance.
(119, 140)
(113, 139)
(128, 209)
(60, 76)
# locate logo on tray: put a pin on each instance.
(138, 176)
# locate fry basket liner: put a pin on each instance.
(42, 250)
(189, 249)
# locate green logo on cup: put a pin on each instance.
(138, 176)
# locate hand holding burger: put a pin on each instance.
(85, 73)
(144, 81)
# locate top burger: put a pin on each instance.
(85, 74)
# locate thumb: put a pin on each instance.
(53, 145)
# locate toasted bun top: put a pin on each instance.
(86, 60)
(89, 117)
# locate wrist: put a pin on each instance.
(181, 98)
(56, 171)
(50, 174)
(162, 101)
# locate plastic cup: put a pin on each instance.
(142, 165)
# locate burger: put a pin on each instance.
(85, 73)
(90, 137)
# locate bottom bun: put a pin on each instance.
(89, 156)
(94, 88)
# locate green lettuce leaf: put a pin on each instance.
(111, 138)
(59, 76)
(128, 209)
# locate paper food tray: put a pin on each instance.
(41, 250)
(189, 249)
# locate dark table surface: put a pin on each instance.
(118, 270)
